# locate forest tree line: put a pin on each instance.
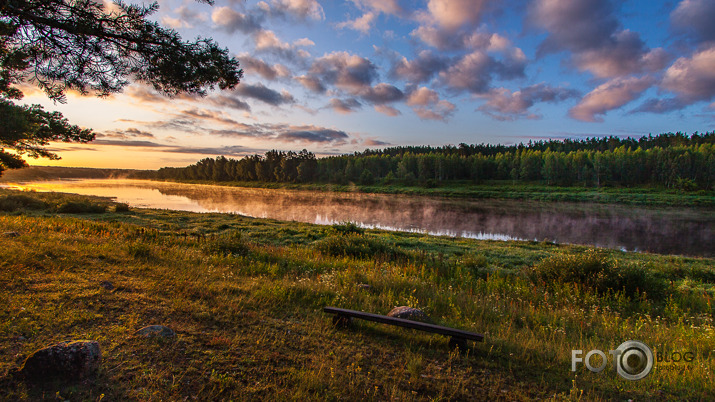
(669, 160)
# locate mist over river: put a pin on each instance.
(659, 230)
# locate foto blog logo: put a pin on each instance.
(633, 360)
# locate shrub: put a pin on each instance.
(599, 272)
(121, 207)
(81, 207)
(228, 244)
(346, 228)
(359, 246)
(19, 201)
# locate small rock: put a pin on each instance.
(66, 360)
(11, 234)
(408, 313)
(155, 330)
(107, 285)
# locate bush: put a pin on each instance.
(81, 207)
(599, 272)
(13, 202)
(228, 244)
(121, 207)
(359, 246)
(346, 228)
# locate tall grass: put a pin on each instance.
(245, 298)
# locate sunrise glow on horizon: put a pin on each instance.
(336, 77)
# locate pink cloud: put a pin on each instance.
(387, 110)
(505, 105)
(693, 78)
(591, 32)
(427, 105)
(608, 96)
(452, 14)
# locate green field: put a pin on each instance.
(245, 297)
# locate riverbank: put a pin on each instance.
(245, 297)
(506, 190)
(644, 196)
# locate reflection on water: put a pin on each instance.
(664, 231)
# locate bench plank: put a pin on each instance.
(401, 322)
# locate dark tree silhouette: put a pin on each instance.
(82, 45)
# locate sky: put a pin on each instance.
(338, 76)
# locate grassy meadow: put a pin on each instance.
(245, 298)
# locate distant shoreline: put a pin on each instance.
(643, 196)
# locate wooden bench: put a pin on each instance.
(458, 339)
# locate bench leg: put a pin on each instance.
(341, 321)
(459, 343)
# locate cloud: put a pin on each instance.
(420, 69)
(382, 93)
(441, 111)
(232, 20)
(312, 83)
(144, 94)
(313, 135)
(427, 105)
(234, 150)
(504, 105)
(207, 115)
(387, 110)
(254, 65)
(144, 144)
(590, 30)
(228, 101)
(659, 106)
(371, 142)
(288, 133)
(608, 96)
(692, 78)
(345, 106)
(303, 9)
(695, 17)
(625, 55)
(422, 96)
(344, 70)
(265, 94)
(392, 7)
(471, 73)
(442, 39)
(362, 24)
(474, 71)
(186, 18)
(124, 134)
(267, 41)
(452, 14)
(174, 23)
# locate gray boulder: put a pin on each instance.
(65, 360)
(408, 313)
(155, 330)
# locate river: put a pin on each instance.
(659, 230)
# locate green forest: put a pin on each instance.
(670, 160)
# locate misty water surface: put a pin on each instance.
(660, 230)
